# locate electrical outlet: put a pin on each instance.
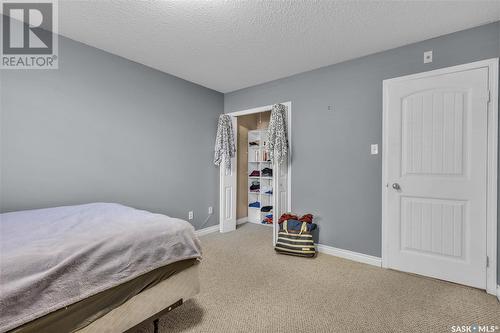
(190, 215)
(374, 149)
(210, 210)
(427, 57)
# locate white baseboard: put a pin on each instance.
(346, 254)
(207, 230)
(242, 220)
(498, 292)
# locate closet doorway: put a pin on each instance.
(256, 189)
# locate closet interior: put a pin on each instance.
(255, 174)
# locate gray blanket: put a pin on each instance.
(50, 258)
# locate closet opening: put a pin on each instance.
(255, 189)
(254, 194)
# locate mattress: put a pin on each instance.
(80, 314)
(55, 257)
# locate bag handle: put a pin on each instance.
(303, 228)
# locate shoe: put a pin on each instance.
(266, 209)
(267, 172)
(267, 221)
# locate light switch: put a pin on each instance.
(427, 57)
(374, 149)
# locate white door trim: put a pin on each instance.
(492, 168)
(290, 151)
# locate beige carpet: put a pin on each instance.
(246, 287)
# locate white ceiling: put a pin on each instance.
(229, 45)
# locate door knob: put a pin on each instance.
(396, 186)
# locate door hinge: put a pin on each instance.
(487, 261)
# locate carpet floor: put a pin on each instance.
(246, 287)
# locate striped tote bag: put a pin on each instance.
(296, 243)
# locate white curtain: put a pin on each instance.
(277, 136)
(224, 142)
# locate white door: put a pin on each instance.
(227, 191)
(435, 160)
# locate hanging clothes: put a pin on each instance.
(277, 135)
(224, 142)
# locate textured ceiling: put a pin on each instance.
(229, 45)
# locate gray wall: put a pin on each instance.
(333, 174)
(102, 128)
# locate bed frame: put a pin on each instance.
(151, 304)
(154, 319)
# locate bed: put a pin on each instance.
(93, 268)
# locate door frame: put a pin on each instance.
(492, 161)
(289, 171)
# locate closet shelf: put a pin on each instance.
(257, 161)
(261, 213)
